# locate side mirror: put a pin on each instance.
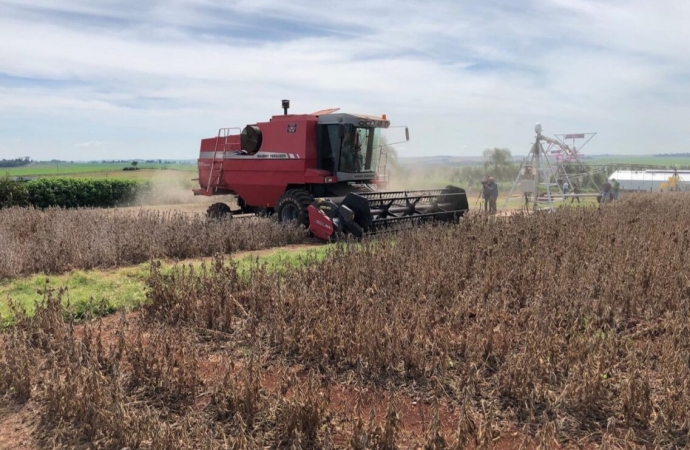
(407, 134)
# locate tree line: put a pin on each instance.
(16, 162)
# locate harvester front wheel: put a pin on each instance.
(218, 210)
(292, 207)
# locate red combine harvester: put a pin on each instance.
(323, 170)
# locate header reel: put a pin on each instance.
(358, 214)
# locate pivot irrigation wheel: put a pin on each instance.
(292, 207)
(218, 210)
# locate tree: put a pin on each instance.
(17, 162)
(135, 163)
(498, 163)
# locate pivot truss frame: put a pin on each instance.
(552, 163)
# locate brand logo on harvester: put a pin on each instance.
(373, 123)
(325, 225)
(292, 128)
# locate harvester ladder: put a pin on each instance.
(223, 133)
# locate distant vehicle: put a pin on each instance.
(22, 179)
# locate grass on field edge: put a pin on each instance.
(92, 293)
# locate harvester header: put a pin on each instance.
(326, 167)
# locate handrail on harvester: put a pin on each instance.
(223, 133)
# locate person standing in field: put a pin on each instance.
(528, 175)
(576, 193)
(486, 192)
(606, 195)
(616, 188)
(493, 195)
(566, 188)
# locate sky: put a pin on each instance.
(119, 79)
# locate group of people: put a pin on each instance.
(609, 192)
(490, 194)
(576, 191)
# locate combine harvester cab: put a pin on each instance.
(325, 171)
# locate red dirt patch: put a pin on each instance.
(17, 426)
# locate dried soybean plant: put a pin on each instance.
(140, 387)
(567, 328)
(564, 322)
(56, 240)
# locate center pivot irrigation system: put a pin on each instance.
(544, 172)
(325, 171)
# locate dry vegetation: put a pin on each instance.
(567, 329)
(58, 240)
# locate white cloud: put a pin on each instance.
(91, 144)
(154, 78)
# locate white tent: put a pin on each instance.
(646, 180)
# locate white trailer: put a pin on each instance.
(646, 180)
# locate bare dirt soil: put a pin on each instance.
(17, 426)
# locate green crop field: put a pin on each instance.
(90, 170)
